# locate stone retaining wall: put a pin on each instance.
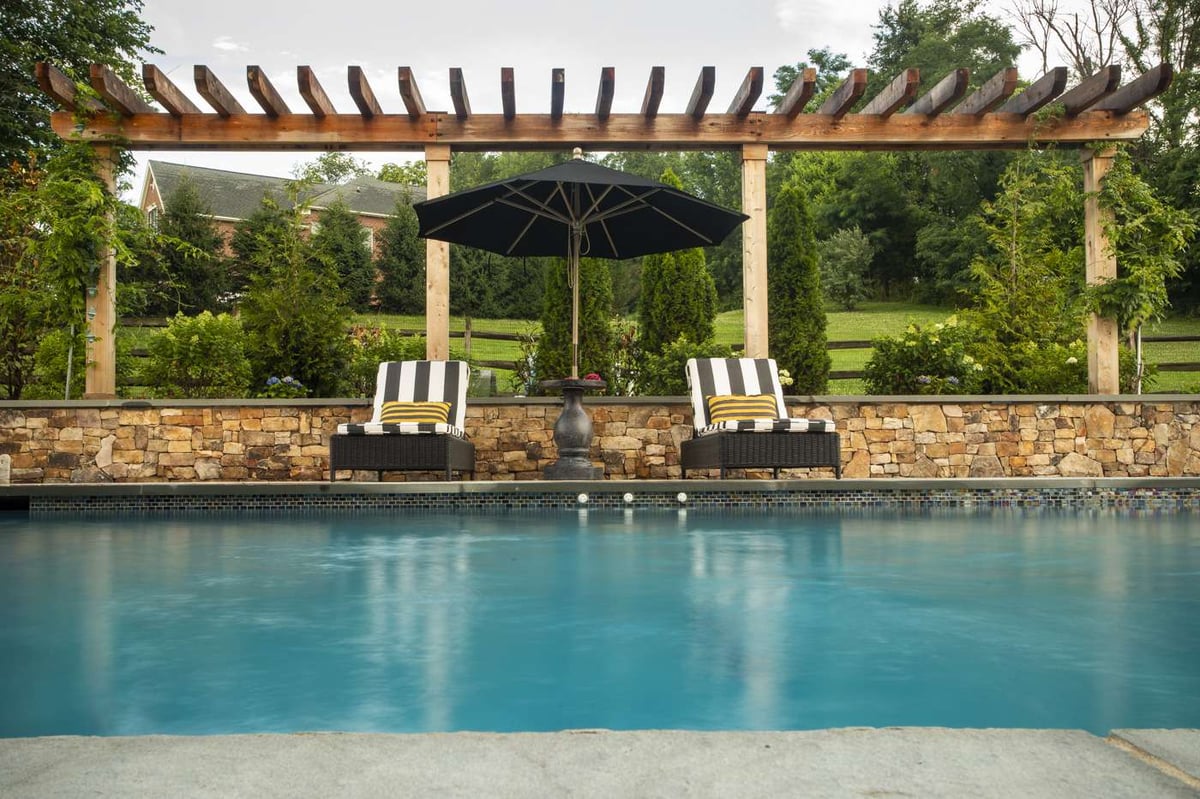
(881, 437)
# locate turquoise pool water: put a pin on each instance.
(640, 620)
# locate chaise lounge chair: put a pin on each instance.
(418, 423)
(741, 421)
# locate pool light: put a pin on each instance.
(682, 497)
(628, 498)
(582, 499)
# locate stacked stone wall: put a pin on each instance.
(990, 437)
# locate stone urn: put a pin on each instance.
(573, 432)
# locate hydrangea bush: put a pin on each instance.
(930, 359)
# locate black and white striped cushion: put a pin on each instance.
(769, 426)
(418, 381)
(713, 376)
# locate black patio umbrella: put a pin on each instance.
(576, 209)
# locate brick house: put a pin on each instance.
(233, 196)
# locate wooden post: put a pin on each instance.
(101, 302)
(754, 249)
(1101, 260)
(437, 261)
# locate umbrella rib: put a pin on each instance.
(524, 230)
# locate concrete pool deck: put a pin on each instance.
(855, 762)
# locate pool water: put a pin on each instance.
(635, 620)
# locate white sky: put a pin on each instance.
(481, 36)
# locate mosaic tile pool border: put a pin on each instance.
(1179, 495)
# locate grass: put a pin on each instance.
(870, 320)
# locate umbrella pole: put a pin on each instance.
(573, 279)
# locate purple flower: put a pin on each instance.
(923, 379)
(952, 380)
(272, 381)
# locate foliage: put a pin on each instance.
(524, 376)
(519, 286)
(49, 379)
(341, 242)
(410, 173)
(1029, 285)
(845, 259)
(294, 313)
(192, 252)
(401, 263)
(254, 239)
(628, 359)
(664, 374)
(286, 387)
(25, 304)
(198, 356)
(72, 35)
(678, 295)
(1149, 238)
(552, 360)
(930, 359)
(471, 281)
(371, 346)
(796, 323)
(332, 167)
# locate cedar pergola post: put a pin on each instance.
(1101, 266)
(437, 261)
(754, 249)
(101, 303)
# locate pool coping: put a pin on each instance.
(1159, 493)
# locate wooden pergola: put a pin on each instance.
(1096, 111)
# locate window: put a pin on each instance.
(152, 217)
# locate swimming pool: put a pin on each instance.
(426, 622)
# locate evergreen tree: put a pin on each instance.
(342, 243)
(471, 280)
(193, 260)
(253, 239)
(796, 326)
(401, 263)
(294, 313)
(520, 287)
(679, 297)
(553, 358)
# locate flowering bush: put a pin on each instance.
(285, 388)
(371, 346)
(785, 378)
(926, 360)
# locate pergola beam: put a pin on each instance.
(706, 84)
(838, 104)
(409, 93)
(991, 94)
(361, 93)
(490, 132)
(748, 94)
(167, 93)
(61, 89)
(947, 91)
(1139, 90)
(116, 93)
(215, 93)
(312, 92)
(654, 92)
(604, 97)
(899, 93)
(558, 92)
(1092, 90)
(458, 93)
(1039, 93)
(508, 93)
(799, 93)
(264, 93)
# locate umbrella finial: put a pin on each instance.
(577, 153)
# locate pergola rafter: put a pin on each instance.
(1097, 110)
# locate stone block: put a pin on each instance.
(1075, 465)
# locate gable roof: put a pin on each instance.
(237, 195)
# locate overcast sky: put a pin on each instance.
(481, 36)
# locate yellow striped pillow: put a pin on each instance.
(736, 407)
(397, 412)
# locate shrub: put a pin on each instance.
(845, 267)
(1052, 368)
(552, 357)
(286, 387)
(665, 374)
(198, 356)
(371, 346)
(934, 359)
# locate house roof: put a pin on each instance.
(236, 195)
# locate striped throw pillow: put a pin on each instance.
(735, 407)
(429, 412)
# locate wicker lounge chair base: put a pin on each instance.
(388, 453)
(773, 451)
